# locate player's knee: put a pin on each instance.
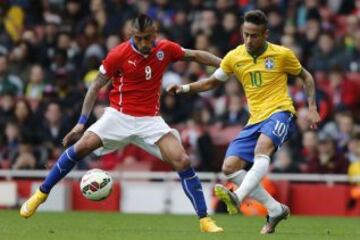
(181, 163)
(232, 165)
(228, 168)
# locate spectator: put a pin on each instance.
(172, 109)
(73, 15)
(25, 158)
(199, 145)
(235, 114)
(55, 126)
(28, 125)
(36, 84)
(341, 129)
(111, 42)
(302, 125)
(343, 91)
(7, 104)
(230, 32)
(308, 152)
(14, 22)
(325, 54)
(328, 161)
(232, 87)
(180, 30)
(353, 57)
(9, 83)
(283, 163)
(276, 25)
(351, 27)
(48, 42)
(19, 61)
(162, 11)
(65, 42)
(310, 38)
(202, 42)
(11, 144)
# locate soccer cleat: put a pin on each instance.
(29, 207)
(271, 222)
(228, 197)
(209, 225)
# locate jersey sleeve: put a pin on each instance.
(177, 52)
(291, 64)
(226, 63)
(110, 65)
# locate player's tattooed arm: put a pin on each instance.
(309, 87)
(202, 57)
(199, 86)
(89, 101)
(91, 95)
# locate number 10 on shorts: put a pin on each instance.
(280, 129)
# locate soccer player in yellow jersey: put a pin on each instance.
(262, 68)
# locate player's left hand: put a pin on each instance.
(313, 117)
(174, 89)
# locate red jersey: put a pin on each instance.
(136, 78)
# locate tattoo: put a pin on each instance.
(189, 55)
(90, 97)
(309, 87)
(201, 57)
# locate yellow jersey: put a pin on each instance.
(264, 78)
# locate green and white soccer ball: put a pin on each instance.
(96, 184)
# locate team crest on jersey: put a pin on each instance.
(160, 55)
(269, 63)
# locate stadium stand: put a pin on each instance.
(50, 51)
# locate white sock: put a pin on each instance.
(237, 177)
(250, 185)
(262, 196)
(259, 194)
(254, 176)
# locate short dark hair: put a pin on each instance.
(256, 17)
(142, 21)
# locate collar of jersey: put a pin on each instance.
(255, 57)
(133, 46)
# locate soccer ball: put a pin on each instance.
(96, 185)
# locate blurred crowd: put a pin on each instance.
(50, 51)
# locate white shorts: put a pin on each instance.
(117, 129)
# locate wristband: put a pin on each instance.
(185, 88)
(83, 119)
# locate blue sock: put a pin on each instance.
(193, 190)
(64, 164)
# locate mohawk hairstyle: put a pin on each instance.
(256, 17)
(142, 21)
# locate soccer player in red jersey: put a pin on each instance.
(135, 68)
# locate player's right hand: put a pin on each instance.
(74, 135)
(174, 89)
(314, 117)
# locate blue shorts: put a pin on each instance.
(278, 127)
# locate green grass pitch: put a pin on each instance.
(86, 226)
